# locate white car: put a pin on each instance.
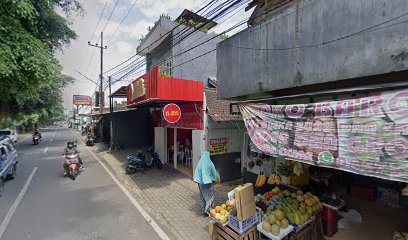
(12, 134)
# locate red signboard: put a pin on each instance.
(192, 117)
(171, 113)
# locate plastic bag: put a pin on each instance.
(352, 215)
(343, 223)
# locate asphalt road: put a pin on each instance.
(41, 204)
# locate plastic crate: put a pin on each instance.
(241, 226)
(329, 214)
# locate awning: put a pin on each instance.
(120, 93)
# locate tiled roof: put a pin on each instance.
(219, 110)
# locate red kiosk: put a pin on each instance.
(176, 109)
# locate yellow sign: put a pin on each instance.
(138, 89)
(218, 146)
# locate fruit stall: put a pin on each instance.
(281, 213)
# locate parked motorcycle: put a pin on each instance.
(71, 164)
(90, 140)
(138, 163)
(155, 158)
(36, 139)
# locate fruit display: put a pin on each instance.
(299, 207)
(260, 180)
(220, 213)
(274, 221)
(274, 179)
(269, 200)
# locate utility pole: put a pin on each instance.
(110, 112)
(101, 99)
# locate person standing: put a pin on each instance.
(205, 175)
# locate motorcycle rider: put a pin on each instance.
(71, 147)
(37, 132)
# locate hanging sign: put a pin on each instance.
(218, 146)
(171, 113)
(366, 135)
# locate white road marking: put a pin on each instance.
(146, 215)
(46, 149)
(16, 202)
(51, 139)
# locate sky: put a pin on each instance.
(86, 59)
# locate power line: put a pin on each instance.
(230, 29)
(124, 18)
(220, 14)
(110, 16)
(99, 20)
(179, 54)
(88, 78)
(93, 34)
(325, 42)
(163, 36)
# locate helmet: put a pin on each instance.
(70, 144)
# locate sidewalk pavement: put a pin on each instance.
(171, 196)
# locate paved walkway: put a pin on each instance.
(171, 196)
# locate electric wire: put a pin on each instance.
(185, 51)
(124, 18)
(324, 42)
(219, 14)
(109, 18)
(163, 36)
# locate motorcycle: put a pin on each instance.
(90, 141)
(36, 139)
(138, 163)
(71, 164)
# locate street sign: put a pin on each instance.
(82, 100)
(171, 113)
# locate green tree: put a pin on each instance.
(31, 79)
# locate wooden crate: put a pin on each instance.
(226, 233)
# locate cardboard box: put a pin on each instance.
(245, 201)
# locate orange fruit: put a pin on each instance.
(212, 213)
(218, 209)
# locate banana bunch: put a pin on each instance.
(274, 179)
(260, 180)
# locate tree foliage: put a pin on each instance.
(31, 31)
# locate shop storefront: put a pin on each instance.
(351, 152)
(321, 167)
(176, 111)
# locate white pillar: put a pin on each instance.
(166, 151)
(175, 147)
